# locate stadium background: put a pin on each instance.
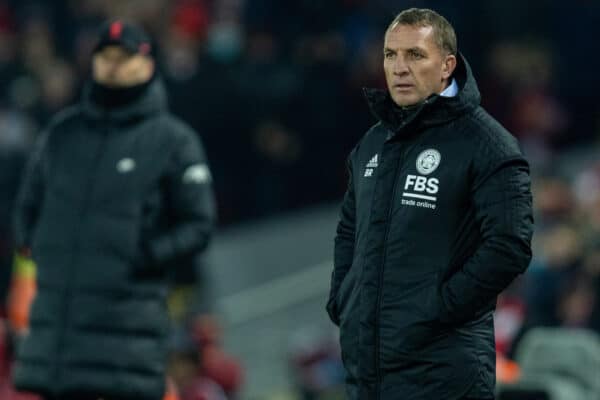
(274, 88)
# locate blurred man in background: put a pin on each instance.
(116, 190)
(435, 223)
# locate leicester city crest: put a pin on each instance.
(428, 161)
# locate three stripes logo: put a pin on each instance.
(371, 165)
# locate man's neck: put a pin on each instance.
(117, 97)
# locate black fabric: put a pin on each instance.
(435, 223)
(116, 97)
(109, 202)
(478, 398)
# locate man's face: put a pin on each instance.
(414, 65)
(114, 66)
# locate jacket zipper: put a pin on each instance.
(82, 211)
(381, 270)
(380, 277)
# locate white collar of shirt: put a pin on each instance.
(451, 90)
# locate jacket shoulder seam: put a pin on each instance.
(491, 139)
(63, 117)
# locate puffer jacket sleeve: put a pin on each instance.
(30, 196)
(344, 244)
(191, 200)
(502, 201)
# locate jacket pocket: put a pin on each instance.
(347, 294)
(342, 295)
(349, 323)
(337, 301)
(409, 317)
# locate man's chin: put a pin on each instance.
(115, 84)
(405, 101)
(107, 83)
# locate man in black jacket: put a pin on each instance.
(116, 190)
(435, 223)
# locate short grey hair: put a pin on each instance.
(443, 32)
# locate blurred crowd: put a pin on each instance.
(274, 88)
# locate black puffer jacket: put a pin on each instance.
(109, 198)
(436, 222)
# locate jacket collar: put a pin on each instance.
(432, 111)
(152, 101)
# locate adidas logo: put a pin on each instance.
(373, 163)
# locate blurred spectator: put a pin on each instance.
(236, 66)
(183, 368)
(201, 369)
(315, 363)
(102, 254)
(214, 363)
(523, 73)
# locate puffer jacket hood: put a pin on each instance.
(152, 101)
(434, 110)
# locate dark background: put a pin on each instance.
(274, 90)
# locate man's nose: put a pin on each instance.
(112, 67)
(400, 66)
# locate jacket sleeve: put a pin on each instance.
(344, 245)
(30, 195)
(191, 204)
(503, 211)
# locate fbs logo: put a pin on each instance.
(418, 191)
(371, 165)
(422, 184)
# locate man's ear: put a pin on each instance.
(449, 66)
(150, 66)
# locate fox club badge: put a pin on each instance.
(428, 161)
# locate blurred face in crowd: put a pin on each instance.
(415, 66)
(114, 66)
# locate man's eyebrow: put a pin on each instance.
(416, 49)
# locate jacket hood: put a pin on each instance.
(432, 111)
(153, 100)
